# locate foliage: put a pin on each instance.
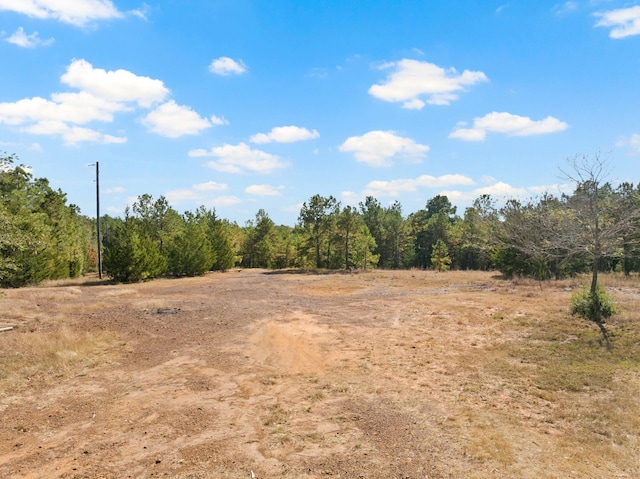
(317, 218)
(440, 257)
(190, 253)
(593, 306)
(390, 231)
(41, 236)
(131, 255)
(595, 228)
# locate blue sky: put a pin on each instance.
(245, 104)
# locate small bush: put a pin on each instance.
(595, 307)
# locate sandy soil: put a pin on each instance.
(251, 374)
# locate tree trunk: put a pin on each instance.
(346, 250)
(597, 249)
(594, 274)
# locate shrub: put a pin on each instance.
(593, 306)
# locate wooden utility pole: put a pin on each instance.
(98, 219)
(97, 164)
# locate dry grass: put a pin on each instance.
(45, 356)
(481, 376)
(556, 370)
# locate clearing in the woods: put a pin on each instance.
(408, 374)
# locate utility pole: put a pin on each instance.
(97, 163)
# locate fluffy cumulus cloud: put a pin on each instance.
(263, 190)
(102, 94)
(71, 134)
(74, 12)
(117, 85)
(199, 192)
(240, 159)
(226, 66)
(414, 83)
(78, 108)
(21, 39)
(379, 148)
(173, 120)
(285, 134)
(498, 191)
(508, 124)
(624, 22)
(396, 187)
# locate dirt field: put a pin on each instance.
(251, 374)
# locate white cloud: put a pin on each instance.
(114, 190)
(225, 201)
(378, 148)
(185, 194)
(195, 193)
(624, 22)
(395, 187)
(633, 143)
(263, 190)
(556, 189)
(210, 186)
(117, 86)
(227, 66)
(21, 39)
(500, 189)
(102, 94)
(66, 107)
(173, 120)
(285, 134)
(240, 158)
(75, 12)
(565, 8)
(509, 124)
(219, 121)
(411, 80)
(72, 135)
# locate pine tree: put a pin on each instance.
(440, 256)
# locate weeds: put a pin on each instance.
(48, 355)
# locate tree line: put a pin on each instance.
(595, 228)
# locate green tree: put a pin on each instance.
(259, 248)
(220, 235)
(190, 252)
(43, 237)
(440, 256)
(158, 220)
(362, 251)
(599, 224)
(477, 236)
(390, 231)
(348, 220)
(430, 225)
(131, 255)
(317, 218)
(629, 201)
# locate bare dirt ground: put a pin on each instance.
(254, 374)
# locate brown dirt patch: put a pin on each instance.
(407, 374)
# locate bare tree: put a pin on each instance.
(599, 222)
